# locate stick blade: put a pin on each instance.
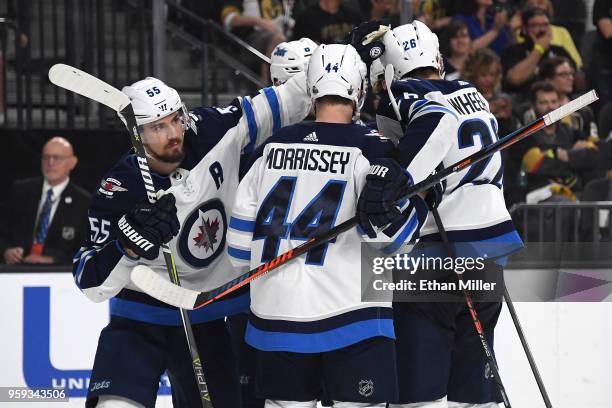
(84, 84)
(151, 283)
(571, 107)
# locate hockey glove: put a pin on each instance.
(366, 39)
(147, 226)
(386, 182)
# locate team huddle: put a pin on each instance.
(243, 184)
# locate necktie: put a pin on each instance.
(43, 223)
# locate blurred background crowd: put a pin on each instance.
(526, 57)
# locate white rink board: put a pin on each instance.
(64, 352)
(570, 342)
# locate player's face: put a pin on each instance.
(564, 78)
(164, 138)
(546, 102)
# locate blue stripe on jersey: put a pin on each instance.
(319, 342)
(252, 124)
(239, 253)
(493, 242)
(329, 323)
(440, 109)
(241, 225)
(274, 106)
(84, 257)
(171, 317)
(401, 238)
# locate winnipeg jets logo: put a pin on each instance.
(109, 187)
(280, 52)
(202, 237)
(207, 237)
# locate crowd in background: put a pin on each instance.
(526, 57)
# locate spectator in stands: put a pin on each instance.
(521, 62)
(483, 69)
(572, 15)
(326, 22)
(436, 14)
(560, 36)
(386, 10)
(488, 26)
(261, 23)
(553, 161)
(602, 55)
(560, 73)
(46, 217)
(456, 46)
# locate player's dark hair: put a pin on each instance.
(332, 100)
(422, 73)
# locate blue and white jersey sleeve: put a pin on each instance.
(273, 108)
(101, 268)
(242, 221)
(97, 267)
(406, 230)
(430, 129)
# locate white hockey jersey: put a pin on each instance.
(205, 187)
(443, 123)
(303, 181)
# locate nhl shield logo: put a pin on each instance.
(202, 237)
(366, 388)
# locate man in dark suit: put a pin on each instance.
(45, 219)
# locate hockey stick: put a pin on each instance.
(475, 319)
(164, 291)
(84, 84)
(521, 334)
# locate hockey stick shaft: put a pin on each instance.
(205, 298)
(521, 334)
(84, 84)
(473, 313)
(128, 114)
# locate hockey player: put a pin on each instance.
(290, 58)
(308, 320)
(440, 361)
(193, 157)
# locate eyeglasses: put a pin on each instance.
(54, 158)
(565, 74)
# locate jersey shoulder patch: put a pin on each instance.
(120, 188)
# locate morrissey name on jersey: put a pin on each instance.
(292, 158)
